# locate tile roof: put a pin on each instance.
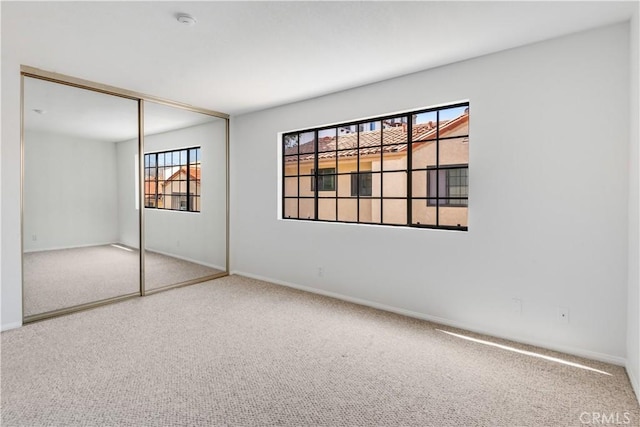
(394, 139)
(193, 171)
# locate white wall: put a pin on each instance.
(199, 237)
(70, 192)
(633, 325)
(10, 227)
(548, 200)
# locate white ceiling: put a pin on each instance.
(246, 56)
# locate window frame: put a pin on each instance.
(193, 198)
(318, 146)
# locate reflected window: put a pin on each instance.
(172, 180)
(448, 187)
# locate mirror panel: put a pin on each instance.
(80, 223)
(185, 196)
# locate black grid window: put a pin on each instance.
(406, 169)
(172, 180)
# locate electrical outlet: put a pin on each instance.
(563, 314)
(320, 272)
(34, 237)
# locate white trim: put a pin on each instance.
(217, 267)
(60, 248)
(615, 360)
(9, 326)
(634, 381)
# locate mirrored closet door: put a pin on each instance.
(184, 196)
(106, 172)
(80, 224)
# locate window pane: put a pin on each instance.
(326, 161)
(327, 209)
(160, 159)
(347, 161)
(454, 121)
(424, 126)
(394, 157)
(422, 213)
(376, 184)
(394, 211)
(454, 151)
(347, 209)
(343, 188)
(423, 154)
(290, 208)
(394, 130)
(370, 137)
(175, 158)
(452, 215)
(360, 184)
(291, 165)
(369, 160)
(307, 143)
(326, 179)
(394, 184)
(327, 140)
(367, 208)
(437, 183)
(291, 186)
(290, 144)
(306, 185)
(419, 184)
(183, 157)
(307, 208)
(193, 155)
(348, 138)
(147, 159)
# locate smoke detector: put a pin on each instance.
(186, 19)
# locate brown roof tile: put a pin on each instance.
(394, 140)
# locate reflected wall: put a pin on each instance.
(72, 251)
(184, 196)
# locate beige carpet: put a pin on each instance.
(65, 278)
(236, 351)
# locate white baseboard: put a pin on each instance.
(615, 360)
(634, 381)
(9, 326)
(59, 248)
(206, 264)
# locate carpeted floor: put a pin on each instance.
(237, 351)
(69, 277)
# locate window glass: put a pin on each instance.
(404, 169)
(175, 183)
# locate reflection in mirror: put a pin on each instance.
(75, 179)
(185, 195)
